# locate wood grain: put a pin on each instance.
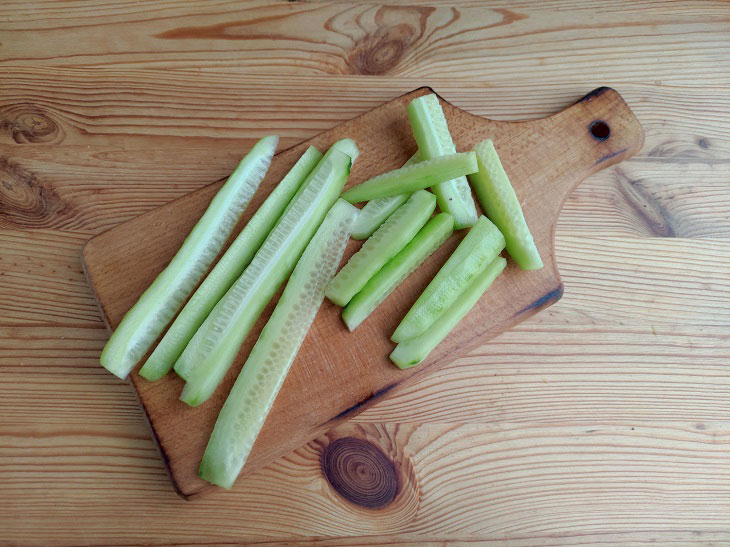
(92, 146)
(546, 159)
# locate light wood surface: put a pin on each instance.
(602, 420)
(338, 374)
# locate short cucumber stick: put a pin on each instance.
(500, 203)
(145, 321)
(414, 177)
(479, 247)
(413, 351)
(426, 241)
(431, 133)
(384, 244)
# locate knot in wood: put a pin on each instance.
(360, 472)
(28, 124)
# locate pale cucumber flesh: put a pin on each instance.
(258, 384)
(214, 346)
(227, 270)
(376, 211)
(425, 242)
(500, 203)
(383, 245)
(431, 132)
(153, 311)
(479, 247)
(413, 351)
(413, 177)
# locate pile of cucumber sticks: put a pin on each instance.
(299, 233)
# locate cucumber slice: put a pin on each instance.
(425, 242)
(500, 203)
(414, 177)
(413, 351)
(378, 210)
(432, 135)
(384, 244)
(257, 386)
(154, 310)
(227, 270)
(480, 246)
(214, 346)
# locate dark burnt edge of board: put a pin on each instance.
(595, 93)
(361, 405)
(547, 299)
(610, 155)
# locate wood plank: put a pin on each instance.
(362, 39)
(491, 482)
(77, 151)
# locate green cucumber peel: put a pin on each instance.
(431, 132)
(376, 211)
(426, 241)
(255, 390)
(384, 244)
(414, 177)
(228, 269)
(479, 247)
(153, 311)
(214, 346)
(413, 351)
(499, 201)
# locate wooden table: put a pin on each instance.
(602, 420)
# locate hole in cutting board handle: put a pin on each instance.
(599, 130)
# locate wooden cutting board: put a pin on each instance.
(338, 374)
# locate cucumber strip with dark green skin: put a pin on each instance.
(384, 244)
(500, 203)
(227, 270)
(147, 319)
(214, 346)
(431, 132)
(413, 177)
(376, 211)
(413, 351)
(480, 246)
(425, 242)
(255, 390)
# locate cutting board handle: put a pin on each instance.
(551, 156)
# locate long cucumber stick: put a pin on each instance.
(384, 244)
(253, 394)
(414, 177)
(478, 248)
(376, 211)
(154, 310)
(426, 241)
(212, 349)
(228, 269)
(500, 203)
(432, 135)
(413, 351)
